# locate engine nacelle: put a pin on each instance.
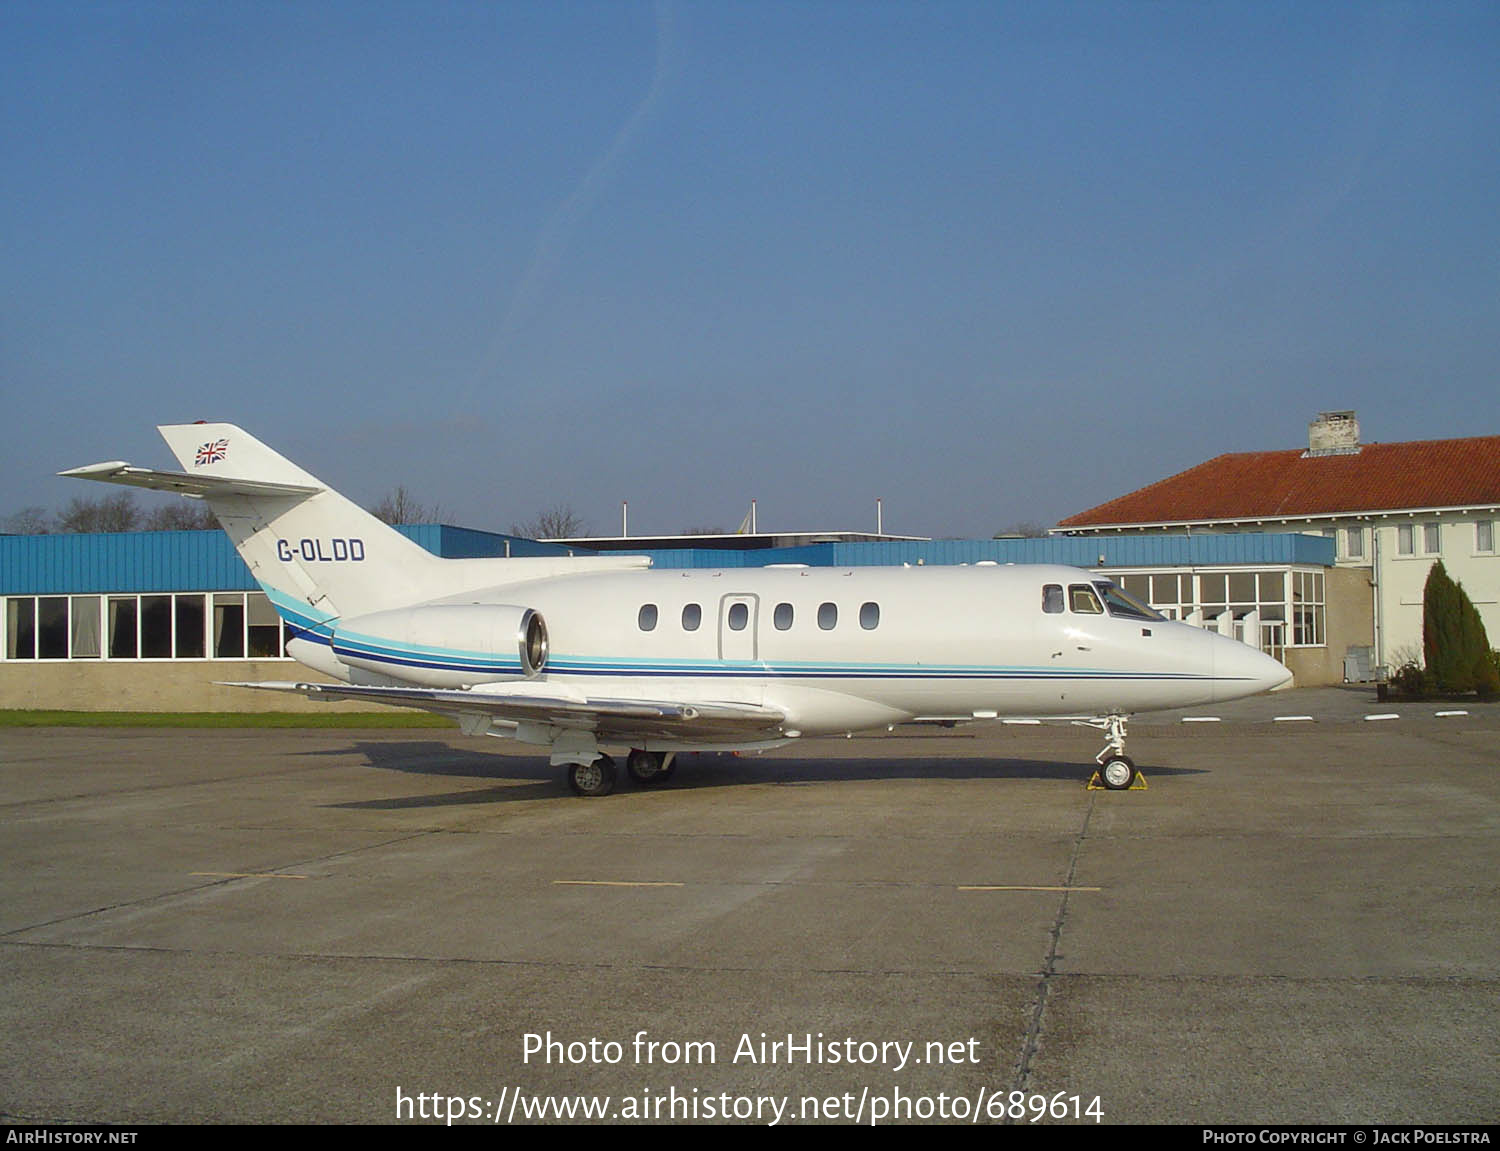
(446, 645)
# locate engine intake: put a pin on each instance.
(446, 645)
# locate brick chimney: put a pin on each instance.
(1333, 434)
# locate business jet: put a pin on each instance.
(584, 655)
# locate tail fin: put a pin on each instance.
(310, 544)
(317, 555)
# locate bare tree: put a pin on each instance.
(1025, 529)
(557, 522)
(106, 514)
(32, 521)
(181, 515)
(401, 507)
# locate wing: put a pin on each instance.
(609, 718)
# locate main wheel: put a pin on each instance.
(646, 768)
(591, 779)
(1117, 772)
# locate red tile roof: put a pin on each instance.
(1290, 484)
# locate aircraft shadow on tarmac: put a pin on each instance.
(528, 778)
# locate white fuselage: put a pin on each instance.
(840, 650)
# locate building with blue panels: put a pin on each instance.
(154, 620)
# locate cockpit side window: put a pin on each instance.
(1052, 598)
(1083, 601)
(1123, 605)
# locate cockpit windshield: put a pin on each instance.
(1123, 605)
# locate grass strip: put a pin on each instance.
(219, 719)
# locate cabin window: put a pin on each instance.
(869, 616)
(739, 616)
(1083, 601)
(692, 616)
(782, 617)
(647, 617)
(1052, 598)
(828, 616)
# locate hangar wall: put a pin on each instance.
(195, 686)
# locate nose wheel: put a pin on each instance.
(1117, 772)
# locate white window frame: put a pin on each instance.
(98, 603)
(1354, 542)
(1280, 594)
(1481, 529)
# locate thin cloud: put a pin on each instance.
(556, 235)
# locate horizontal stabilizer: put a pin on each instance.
(119, 472)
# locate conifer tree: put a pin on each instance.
(1454, 643)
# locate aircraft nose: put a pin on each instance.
(1241, 670)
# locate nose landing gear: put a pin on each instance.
(1117, 770)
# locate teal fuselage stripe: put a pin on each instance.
(372, 649)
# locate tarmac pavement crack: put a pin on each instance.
(220, 881)
(1031, 1041)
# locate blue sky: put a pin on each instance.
(991, 262)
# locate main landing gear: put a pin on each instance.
(591, 779)
(650, 768)
(647, 768)
(1116, 769)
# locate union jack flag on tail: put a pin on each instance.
(211, 453)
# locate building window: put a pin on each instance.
(1406, 540)
(84, 627)
(1484, 536)
(225, 625)
(1307, 609)
(52, 627)
(156, 627)
(229, 627)
(1431, 544)
(124, 627)
(190, 632)
(20, 628)
(1354, 543)
(263, 628)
